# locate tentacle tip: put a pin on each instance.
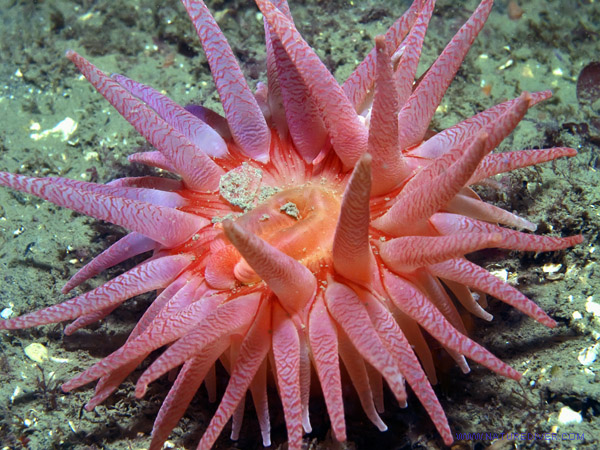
(448, 440)
(525, 97)
(514, 375)
(380, 42)
(262, 158)
(140, 390)
(89, 406)
(70, 54)
(66, 387)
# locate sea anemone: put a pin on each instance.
(314, 225)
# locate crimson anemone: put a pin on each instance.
(277, 249)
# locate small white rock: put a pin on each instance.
(568, 416)
(588, 355)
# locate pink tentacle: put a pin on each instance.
(232, 317)
(411, 301)
(393, 337)
(197, 170)
(182, 392)
(153, 159)
(127, 247)
(349, 312)
(360, 82)
(355, 366)
(477, 209)
(467, 129)
(165, 225)
(352, 255)
(348, 134)
(388, 161)
(465, 272)
(409, 61)
(248, 127)
(253, 351)
(418, 204)
(286, 353)
(292, 283)
(199, 133)
(506, 162)
(405, 254)
(446, 223)
(324, 344)
(148, 276)
(416, 114)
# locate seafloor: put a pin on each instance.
(152, 41)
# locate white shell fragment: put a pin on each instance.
(36, 352)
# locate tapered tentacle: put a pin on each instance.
(127, 247)
(232, 317)
(409, 61)
(352, 255)
(148, 276)
(198, 132)
(348, 135)
(418, 204)
(213, 119)
(152, 159)
(253, 351)
(258, 388)
(154, 196)
(434, 290)
(388, 161)
(405, 254)
(467, 273)
(300, 112)
(349, 312)
(450, 224)
(305, 376)
(376, 383)
(88, 319)
(182, 392)
(506, 162)
(149, 182)
(324, 344)
(393, 337)
(419, 108)
(246, 122)
(195, 167)
(360, 82)
(467, 129)
(411, 301)
(465, 297)
(162, 224)
(355, 366)
(289, 280)
(110, 382)
(495, 132)
(286, 353)
(161, 331)
(466, 205)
